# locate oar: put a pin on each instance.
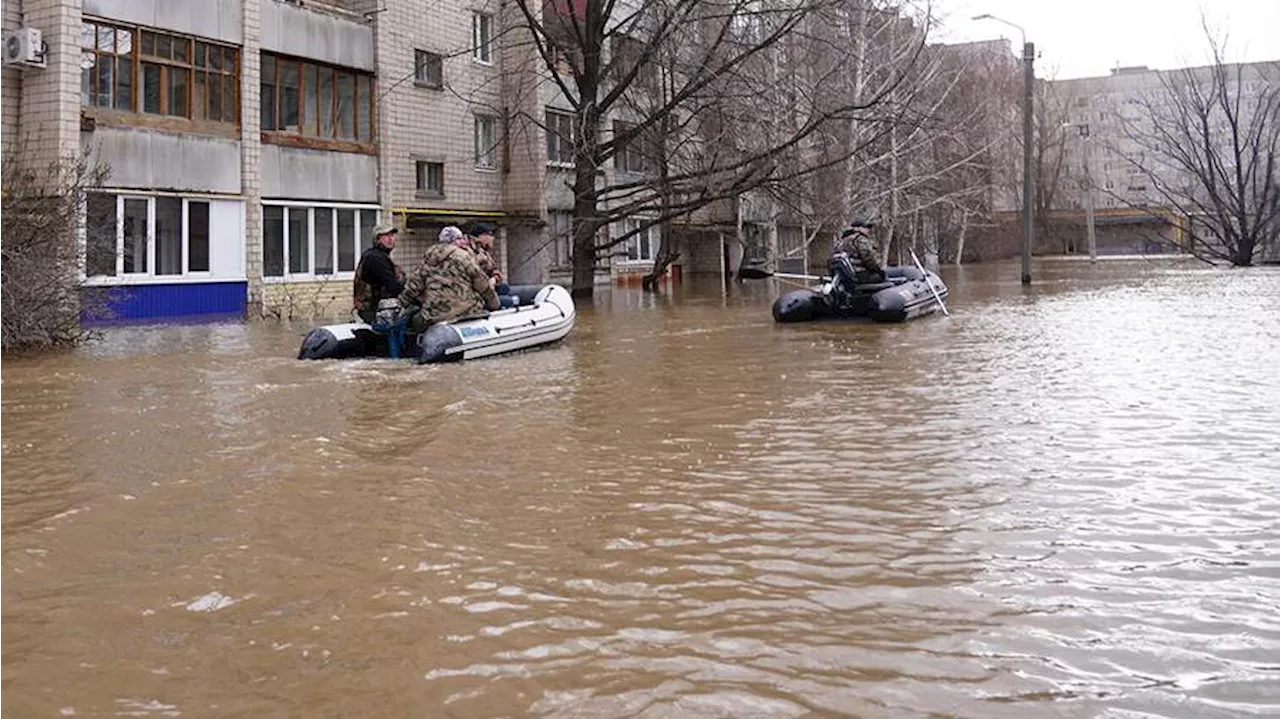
(929, 282)
(755, 273)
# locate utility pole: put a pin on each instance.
(1028, 133)
(1028, 179)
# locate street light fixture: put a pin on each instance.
(1028, 181)
(1083, 129)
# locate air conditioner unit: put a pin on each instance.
(24, 47)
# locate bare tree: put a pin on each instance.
(44, 249)
(686, 76)
(1209, 144)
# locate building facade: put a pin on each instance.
(252, 145)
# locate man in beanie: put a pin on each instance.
(446, 285)
(377, 276)
(450, 234)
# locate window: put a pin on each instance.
(430, 178)
(643, 245)
(300, 241)
(428, 69)
(560, 137)
(560, 237)
(626, 54)
(482, 37)
(158, 73)
(486, 140)
(309, 99)
(106, 66)
(631, 156)
(562, 39)
(138, 235)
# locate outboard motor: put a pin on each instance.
(319, 343)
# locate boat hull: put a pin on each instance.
(547, 316)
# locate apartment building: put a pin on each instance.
(1114, 119)
(252, 145)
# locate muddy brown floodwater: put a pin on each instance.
(1060, 501)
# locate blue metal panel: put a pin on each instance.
(155, 303)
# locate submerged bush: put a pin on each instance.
(40, 236)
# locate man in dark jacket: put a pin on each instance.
(377, 275)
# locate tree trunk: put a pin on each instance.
(584, 231)
(964, 228)
(1244, 253)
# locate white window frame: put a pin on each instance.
(486, 160)
(362, 239)
(150, 276)
(633, 242)
(482, 38)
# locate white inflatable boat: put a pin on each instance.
(547, 316)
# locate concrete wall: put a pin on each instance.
(214, 19)
(318, 36)
(147, 159)
(299, 174)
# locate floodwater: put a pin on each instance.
(1062, 500)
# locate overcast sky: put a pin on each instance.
(1083, 38)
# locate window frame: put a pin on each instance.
(560, 243)
(150, 275)
(554, 132)
(136, 112)
(422, 178)
(631, 158)
(313, 137)
(482, 25)
(424, 59)
(630, 224)
(479, 156)
(360, 240)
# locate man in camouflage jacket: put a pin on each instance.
(446, 285)
(863, 254)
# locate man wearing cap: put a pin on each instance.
(482, 245)
(377, 275)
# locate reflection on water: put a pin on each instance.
(1060, 501)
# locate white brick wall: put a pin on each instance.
(418, 122)
(10, 84)
(251, 148)
(48, 125)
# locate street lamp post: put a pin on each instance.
(1028, 180)
(1088, 191)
